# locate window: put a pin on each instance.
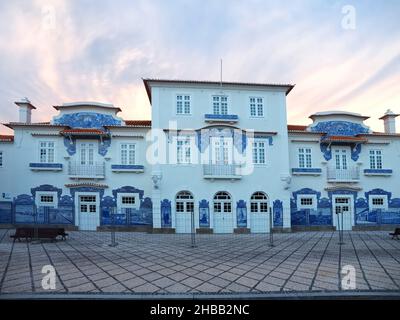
(259, 202)
(220, 104)
(47, 199)
(184, 202)
(128, 200)
(183, 152)
(88, 204)
(306, 201)
(1, 159)
(259, 152)
(375, 159)
(222, 202)
(305, 158)
(128, 153)
(377, 201)
(256, 107)
(46, 152)
(183, 104)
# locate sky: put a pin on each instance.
(341, 55)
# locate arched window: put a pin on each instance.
(259, 202)
(184, 202)
(222, 202)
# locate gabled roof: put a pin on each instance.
(147, 82)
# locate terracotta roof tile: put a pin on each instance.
(82, 131)
(144, 123)
(345, 138)
(295, 127)
(6, 138)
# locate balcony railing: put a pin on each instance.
(221, 171)
(76, 170)
(352, 174)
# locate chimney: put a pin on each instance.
(25, 110)
(389, 121)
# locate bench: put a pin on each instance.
(42, 233)
(395, 234)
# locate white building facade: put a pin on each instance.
(215, 158)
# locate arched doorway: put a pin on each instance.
(259, 215)
(223, 216)
(184, 205)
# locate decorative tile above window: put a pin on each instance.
(378, 172)
(127, 168)
(307, 171)
(46, 166)
(232, 118)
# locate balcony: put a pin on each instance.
(221, 171)
(352, 174)
(76, 170)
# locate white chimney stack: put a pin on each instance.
(389, 121)
(25, 110)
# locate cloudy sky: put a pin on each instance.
(65, 50)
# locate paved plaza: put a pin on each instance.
(166, 263)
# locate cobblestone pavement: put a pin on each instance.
(149, 263)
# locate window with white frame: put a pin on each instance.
(222, 202)
(1, 159)
(305, 160)
(220, 104)
(259, 152)
(128, 153)
(46, 199)
(128, 200)
(307, 202)
(183, 105)
(378, 202)
(375, 159)
(256, 107)
(46, 151)
(183, 150)
(259, 202)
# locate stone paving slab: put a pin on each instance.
(167, 264)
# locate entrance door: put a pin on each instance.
(183, 212)
(259, 216)
(342, 205)
(88, 208)
(223, 216)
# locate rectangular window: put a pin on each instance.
(220, 104)
(217, 207)
(305, 160)
(259, 152)
(378, 202)
(375, 159)
(183, 151)
(46, 199)
(128, 200)
(46, 152)
(128, 153)
(256, 107)
(306, 202)
(1, 159)
(183, 105)
(227, 207)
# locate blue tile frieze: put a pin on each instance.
(306, 170)
(203, 137)
(378, 171)
(87, 120)
(48, 188)
(339, 128)
(224, 117)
